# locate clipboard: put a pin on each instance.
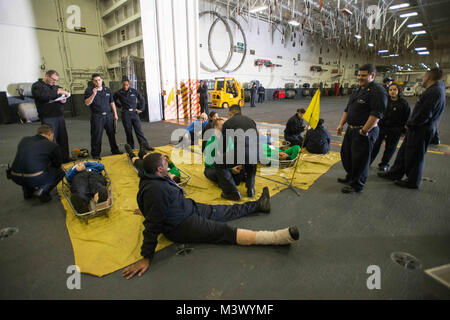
(63, 97)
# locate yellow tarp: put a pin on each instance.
(109, 243)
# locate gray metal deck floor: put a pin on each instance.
(341, 235)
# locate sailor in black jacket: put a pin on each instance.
(294, 128)
(203, 92)
(387, 83)
(392, 126)
(421, 128)
(253, 92)
(52, 113)
(37, 165)
(318, 140)
(127, 98)
(166, 210)
(261, 93)
(241, 149)
(103, 114)
(365, 108)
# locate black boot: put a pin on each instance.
(264, 201)
(294, 233)
(129, 151)
(43, 196)
(387, 175)
(142, 150)
(343, 180)
(145, 146)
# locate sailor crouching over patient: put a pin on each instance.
(37, 165)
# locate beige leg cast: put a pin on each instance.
(279, 237)
(245, 237)
(248, 237)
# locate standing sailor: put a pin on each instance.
(103, 114)
(127, 98)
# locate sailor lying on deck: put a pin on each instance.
(86, 183)
(138, 162)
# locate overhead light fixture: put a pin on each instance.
(258, 9)
(419, 32)
(383, 51)
(370, 44)
(399, 6)
(409, 14)
(393, 55)
(415, 25)
(420, 49)
(423, 52)
(357, 36)
(294, 23)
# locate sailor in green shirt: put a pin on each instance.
(269, 151)
(210, 153)
(138, 162)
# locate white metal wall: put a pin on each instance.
(259, 38)
(170, 33)
(122, 32)
(35, 37)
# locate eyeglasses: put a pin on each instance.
(51, 78)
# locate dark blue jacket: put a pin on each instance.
(247, 148)
(36, 154)
(396, 115)
(429, 107)
(365, 102)
(294, 127)
(129, 99)
(203, 92)
(87, 183)
(164, 207)
(42, 94)
(102, 100)
(318, 140)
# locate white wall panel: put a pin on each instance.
(30, 36)
(151, 56)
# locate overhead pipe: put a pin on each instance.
(62, 40)
(100, 39)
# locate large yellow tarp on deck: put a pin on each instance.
(109, 243)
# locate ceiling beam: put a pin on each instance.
(425, 18)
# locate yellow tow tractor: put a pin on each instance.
(227, 92)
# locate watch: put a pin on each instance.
(364, 131)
